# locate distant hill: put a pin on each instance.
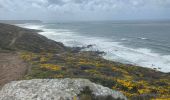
(19, 21)
(17, 38)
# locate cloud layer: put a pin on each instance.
(85, 9)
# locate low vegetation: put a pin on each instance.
(50, 59)
(134, 81)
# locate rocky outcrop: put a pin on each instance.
(58, 89)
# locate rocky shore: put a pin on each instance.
(48, 59)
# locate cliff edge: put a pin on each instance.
(17, 38)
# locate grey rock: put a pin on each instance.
(54, 89)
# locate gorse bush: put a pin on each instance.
(135, 82)
(50, 67)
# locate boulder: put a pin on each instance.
(58, 89)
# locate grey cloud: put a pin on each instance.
(1, 6)
(56, 2)
(80, 1)
(85, 9)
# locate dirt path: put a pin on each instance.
(11, 68)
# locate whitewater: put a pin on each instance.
(114, 48)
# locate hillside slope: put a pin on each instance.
(50, 59)
(16, 38)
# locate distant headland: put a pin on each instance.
(19, 21)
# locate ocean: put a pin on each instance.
(146, 44)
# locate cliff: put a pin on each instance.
(48, 59)
(16, 38)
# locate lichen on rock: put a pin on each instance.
(58, 89)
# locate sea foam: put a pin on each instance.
(114, 50)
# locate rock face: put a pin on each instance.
(58, 89)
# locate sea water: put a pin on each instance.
(146, 44)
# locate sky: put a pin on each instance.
(85, 9)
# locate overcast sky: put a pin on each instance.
(85, 9)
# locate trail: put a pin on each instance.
(11, 68)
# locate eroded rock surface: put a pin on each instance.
(58, 89)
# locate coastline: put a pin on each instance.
(133, 81)
(143, 57)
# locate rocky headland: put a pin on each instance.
(26, 55)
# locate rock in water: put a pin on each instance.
(58, 89)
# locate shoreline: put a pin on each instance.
(42, 31)
(50, 60)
